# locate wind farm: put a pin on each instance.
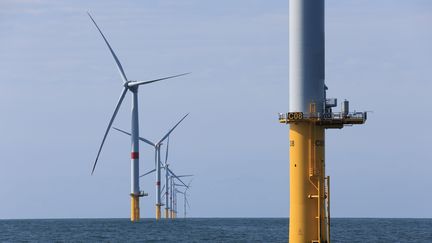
(132, 86)
(159, 166)
(204, 121)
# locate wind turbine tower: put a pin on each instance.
(310, 113)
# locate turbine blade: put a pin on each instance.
(190, 182)
(147, 141)
(176, 176)
(135, 83)
(187, 202)
(172, 129)
(148, 173)
(119, 102)
(140, 138)
(119, 66)
(166, 154)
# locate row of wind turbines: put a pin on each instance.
(173, 182)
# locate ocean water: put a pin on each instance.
(207, 230)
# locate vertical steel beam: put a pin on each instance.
(135, 192)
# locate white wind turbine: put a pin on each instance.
(158, 163)
(185, 198)
(173, 195)
(132, 86)
(168, 185)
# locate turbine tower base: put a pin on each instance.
(166, 213)
(135, 211)
(158, 211)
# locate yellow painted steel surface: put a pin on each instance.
(166, 213)
(158, 212)
(307, 194)
(135, 211)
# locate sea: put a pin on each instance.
(208, 230)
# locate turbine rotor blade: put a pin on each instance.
(172, 129)
(187, 202)
(135, 83)
(149, 172)
(140, 138)
(119, 102)
(190, 182)
(147, 141)
(176, 176)
(188, 187)
(119, 66)
(161, 164)
(166, 154)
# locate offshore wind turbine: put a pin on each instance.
(310, 114)
(185, 201)
(158, 163)
(173, 200)
(167, 182)
(132, 86)
(168, 185)
(178, 191)
(169, 174)
(173, 196)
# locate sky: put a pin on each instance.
(59, 86)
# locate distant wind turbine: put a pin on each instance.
(185, 202)
(173, 196)
(168, 185)
(158, 163)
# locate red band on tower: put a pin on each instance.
(135, 155)
(157, 183)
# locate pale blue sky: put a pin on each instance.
(59, 86)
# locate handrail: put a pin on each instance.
(328, 208)
(325, 116)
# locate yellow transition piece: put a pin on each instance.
(135, 211)
(308, 215)
(158, 212)
(166, 213)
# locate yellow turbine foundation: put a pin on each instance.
(135, 211)
(166, 213)
(308, 206)
(158, 211)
